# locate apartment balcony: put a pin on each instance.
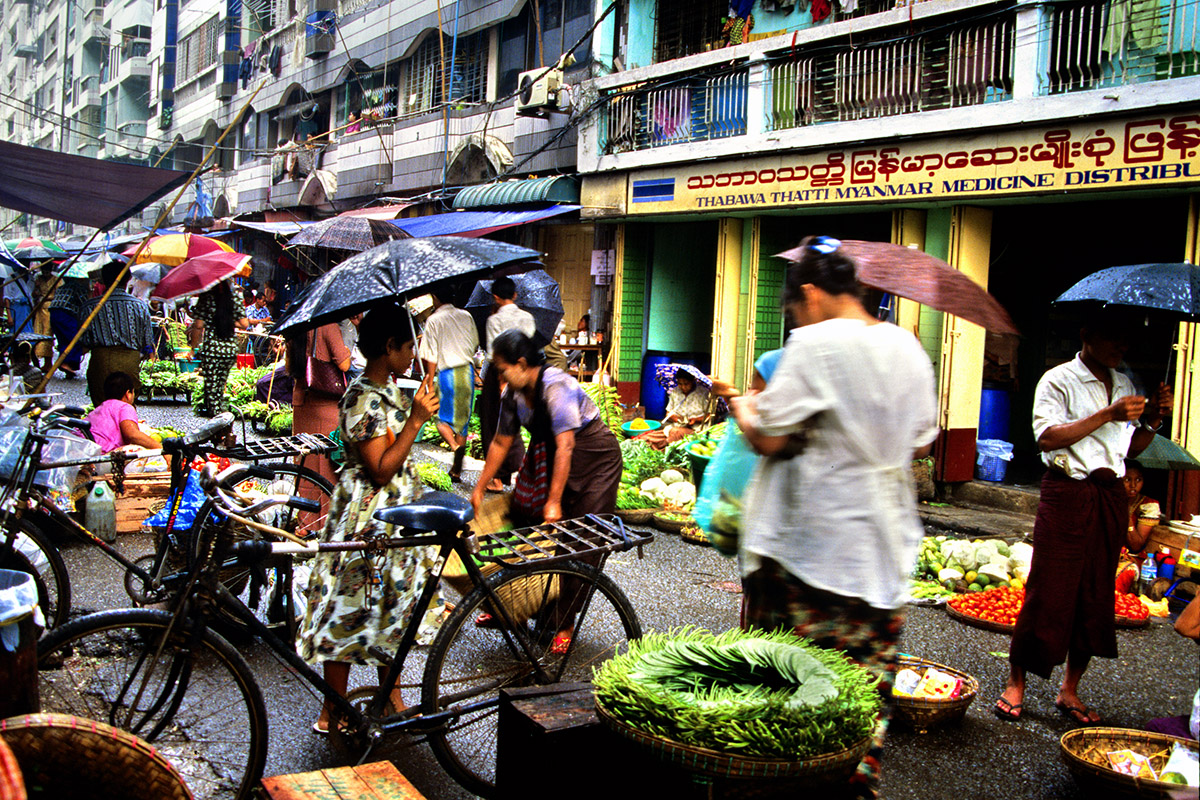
(133, 62)
(93, 31)
(130, 134)
(253, 181)
(87, 94)
(361, 161)
(930, 68)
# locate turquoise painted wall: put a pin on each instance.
(640, 45)
(681, 287)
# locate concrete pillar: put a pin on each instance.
(1028, 49)
(726, 295)
(961, 369)
(1185, 421)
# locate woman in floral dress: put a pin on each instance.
(358, 601)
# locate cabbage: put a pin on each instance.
(960, 552)
(653, 489)
(670, 476)
(681, 495)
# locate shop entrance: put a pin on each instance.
(1033, 262)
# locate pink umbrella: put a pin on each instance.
(197, 275)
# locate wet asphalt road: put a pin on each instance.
(676, 584)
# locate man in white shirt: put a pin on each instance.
(1086, 420)
(507, 316)
(447, 349)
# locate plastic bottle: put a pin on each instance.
(101, 515)
(1149, 572)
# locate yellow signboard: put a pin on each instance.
(1115, 154)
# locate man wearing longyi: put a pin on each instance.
(1087, 419)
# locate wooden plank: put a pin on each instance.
(379, 780)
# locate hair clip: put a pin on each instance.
(825, 244)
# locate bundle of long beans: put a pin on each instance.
(769, 695)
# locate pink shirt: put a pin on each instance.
(106, 423)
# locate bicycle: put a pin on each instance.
(28, 514)
(170, 679)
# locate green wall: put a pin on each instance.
(633, 301)
(937, 244)
(681, 287)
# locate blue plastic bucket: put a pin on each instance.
(994, 408)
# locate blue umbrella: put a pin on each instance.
(1162, 453)
(665, 375)
(1173, 288)
(537, 293)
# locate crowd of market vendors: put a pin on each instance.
(830, 527)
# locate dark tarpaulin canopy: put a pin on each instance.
(85, 191)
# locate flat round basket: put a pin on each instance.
(693, 534)
(67, 756)
(920, 713)
(976, 622)
(831, 768)
(1084, 749)
(1131, 622)
(665, 521)
(637, 516)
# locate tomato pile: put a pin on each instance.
(1000, 604)
(1130, 605)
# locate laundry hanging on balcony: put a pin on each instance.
(739, 22)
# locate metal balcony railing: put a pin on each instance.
(1099, 43)
(959, 66)
(691, 109)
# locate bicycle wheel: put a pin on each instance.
(289, 480)
(196, 702)
(469, 664)
(36, 554)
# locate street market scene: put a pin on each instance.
(694, 398)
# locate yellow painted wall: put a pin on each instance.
(963, 342)
(727, 333)
(908, 229)
(1186, 424)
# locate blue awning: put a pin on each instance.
(475, 223)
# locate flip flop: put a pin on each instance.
(1009, 712)
(318, 730)
(1081, 715)
(486, 620)
(561, 643)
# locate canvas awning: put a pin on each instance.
(475, 223)
(78, 189)
(555, 189)
(376, 212)
(276, 228)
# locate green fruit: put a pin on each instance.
(1173, 777)
(982, 580)
(974, 587)
(949, 584)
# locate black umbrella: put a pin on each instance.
(386, 273)
(537, 293)
(1173, 288)
(348, 233)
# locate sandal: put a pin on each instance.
(561, 643)
(486, 620)
(1080, 714)
(1009, 712)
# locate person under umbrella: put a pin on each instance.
(507, 316)
(219, 315)
(448, 346)
(44, 287)
(18, 295)
(66, 312)
(687, 407)
(119, 337)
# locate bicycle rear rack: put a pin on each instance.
(557, 541)
(299, 444)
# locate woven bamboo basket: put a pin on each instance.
(830, 768)
(668, 524)
(1131, 622)
(637, 516)
(976, 622)
(1084, 749)
(920, 713)
(67, 756)
(692, 533)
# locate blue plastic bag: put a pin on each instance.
(189, 506)
(718, 509)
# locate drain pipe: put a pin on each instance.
(446, 117)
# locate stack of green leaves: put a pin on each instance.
(608, 402)
(434, 476)
(750, 693)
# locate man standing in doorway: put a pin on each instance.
(507, 316)
(448, 348)
(118, 338)
(1087, 418)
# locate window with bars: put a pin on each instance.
(685, 27)
(424, 78)
(198, 50)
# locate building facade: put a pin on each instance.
(1027, 144)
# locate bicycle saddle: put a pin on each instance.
(436, 511)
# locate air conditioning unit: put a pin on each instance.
(538, 89)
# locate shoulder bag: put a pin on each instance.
(322, 378)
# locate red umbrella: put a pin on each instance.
(175, 248)
(197, 275)
(907, 272)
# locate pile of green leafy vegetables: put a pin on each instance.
(752, 693)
